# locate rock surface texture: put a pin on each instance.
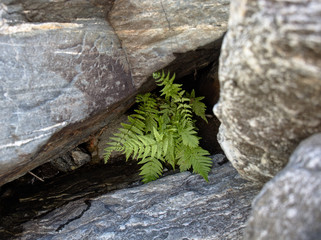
(68, 68)
(180, 206)
(154, 33)
(270, 83)
(288, 207)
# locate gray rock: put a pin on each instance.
(69, 68)
(270, 83)
(180, 206)
(71, 160)
(153, 33)
(55, 75)
(219, 159)
(288, 207)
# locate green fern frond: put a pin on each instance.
(201, 163)
(151, 169)
(189, 137)
(164, 80)
(171, 91)
(157, 75)
(195, 157)
(198, 107)
(169, 154)
(163, 130)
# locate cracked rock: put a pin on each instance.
(179, 206)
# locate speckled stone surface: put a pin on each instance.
(288, 207)
(270, 83)
(180, 206)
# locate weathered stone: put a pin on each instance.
(54, 75)
(71, 160)
(64, 74)
(28, 198)
(153, 33)
(270, 83)
(288, 207)
(180, 206)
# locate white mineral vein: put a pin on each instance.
(25, 141)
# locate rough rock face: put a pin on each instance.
(71, 160)
(29, 198)
(180, 206)
(288, 207)
(154, 33)
(270, 83)
(64, 73)
(53, 75)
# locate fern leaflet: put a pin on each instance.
(162, 130)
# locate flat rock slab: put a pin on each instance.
(180, 206)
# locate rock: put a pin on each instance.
(69, 68)
(288, 207)
(155, 33)
(219, 159)
(55, 75)
(270, 83)
(179, 206)
(71, 160)
(28, 198)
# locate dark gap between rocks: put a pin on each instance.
(205, 82)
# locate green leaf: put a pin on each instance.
(157, 135)
(188, 136)
(162, 129)
(151, 170)
(154, 150)
(165, 145)
(201, 163)
(198, 107)
(146, 152)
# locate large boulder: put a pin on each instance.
(288, 207)
(154, 33)
(56, 72)
(68, 68)
(270, 83)
(180, 206)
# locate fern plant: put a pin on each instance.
(162, 131)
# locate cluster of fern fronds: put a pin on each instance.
(162, 130)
